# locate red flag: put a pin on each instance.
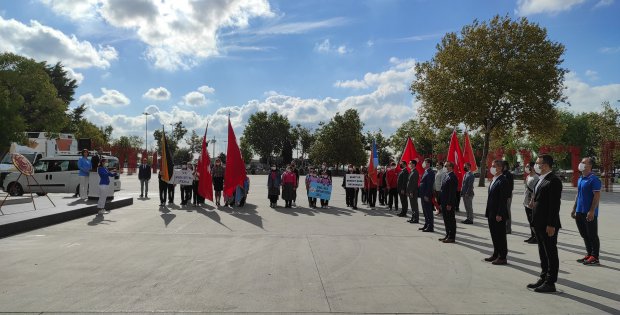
(468, 154)
(456, 156)
(372, 168)
(409, 154)
(235, 174)
(205, 182)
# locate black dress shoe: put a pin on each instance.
(546, 288)
(467, 222)
(537, 284)
(492, 258)
(402, 215)
(500, 261)
(413, 221)
(532, 241)
(428, 230)
(443, 238)
(422, 228)
(449, 240)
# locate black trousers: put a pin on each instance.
(382, 199)
(372, 197)
(498, 236)
(458, 200)
(170, 193)
(589, 233)
(163, 191)
(364, 195)
(393, 198)
(548, 253)
(449, 220)
(195, 192)
(427, 209)
(404, 203)
(415, 210)
(186, 194)
(528, 213)
(348, 193)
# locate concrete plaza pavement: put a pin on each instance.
(256, 259)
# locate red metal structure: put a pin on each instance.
(607, 163)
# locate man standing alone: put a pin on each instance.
(85, 166)
(412, 191)
(585, 210)
(467, 192)
(448, 200)
(496, 213)
(427, 186)
(546, 221)
(144, 175)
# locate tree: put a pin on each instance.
(340, 141)
(222, 157)
(178, 132)
(41, 109)
(421, 134)
(266, 134)
(65, 86)
(493, 76)
(306, 139)
(194, 142)
(12, 122)
(246, 151)
(287, 151)
(182, 156)
(382, 146)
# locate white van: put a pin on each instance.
(57, 174)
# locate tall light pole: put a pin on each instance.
(146, 132)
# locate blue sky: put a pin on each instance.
(195, 61)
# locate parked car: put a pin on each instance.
(57, 174)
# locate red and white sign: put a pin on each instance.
(22, 164)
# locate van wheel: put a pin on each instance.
(77, 190)
(41, 193)
(15, 189)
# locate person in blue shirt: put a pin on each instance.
(84, 167)
(104, 185)
(585, 210)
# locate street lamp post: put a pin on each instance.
(146, 132)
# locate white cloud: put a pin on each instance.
(78, 77)
(195, 99)
(610, 50)
(326, 47)
(592, 75)
(529, 7)
(206, 89)
(370, 43)
(401, 71)
(603, 3)
(112, 98)
(41, 42)
(159, 94)
(77, 9)
(302, 27)
(584, 97)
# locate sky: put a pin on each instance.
(199, 61)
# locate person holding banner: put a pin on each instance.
(311, 177)
(349, 192)
(426, 190)
(289, 182)
(326, 180)
(218, 180)
(186, 190)
(274, 180)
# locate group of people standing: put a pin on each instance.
(99, 165)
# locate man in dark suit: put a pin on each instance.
(412, 191)
(496, 212)
(510, 180)
(403, 179)
(546, 221)
(144, 175)
(426, 190)
(448, 199)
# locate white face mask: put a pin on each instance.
(537, 168)
(582, 167)
(423, 164)
(526, 170)
(493, 171)
(273, 168)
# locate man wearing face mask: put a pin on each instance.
(326, 170)
(412, 191)
(510, 180)
(349, 192)
(585, 210)
(439, 176)
(467, 193)
(391, 185)
(427, 187)
(274, 180)
(546, 221)
(496, 213)
(530, 183)
(448, 199)
(401, 185)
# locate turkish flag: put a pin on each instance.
(205, 182)
(468, 154)
(409, 154)
(456, 156)
(235, 174)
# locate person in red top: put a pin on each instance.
(381, 185)
(289, 184)
(391, 179)
(371, 190)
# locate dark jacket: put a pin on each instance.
(497, 200)
(510, 181)
(448, 196)
(144, 172)
(412, 183)
(468, 184)
(547, 199)
(427, 184)
(403, 180)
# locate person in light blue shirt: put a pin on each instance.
(84, 167)
(585, 210)
(104, 185)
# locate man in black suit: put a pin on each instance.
(546, 221)
(497, 212)
(144, 175)
(403, 180)
(448, 199)
(412, 191)
(510, 181)
(426, 190)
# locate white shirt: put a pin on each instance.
(493, 181)
(540, 180)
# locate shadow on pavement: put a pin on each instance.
(246, 213)
(213, 216)
(166, 215)
(99, 219)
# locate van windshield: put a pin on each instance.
(7, 159)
